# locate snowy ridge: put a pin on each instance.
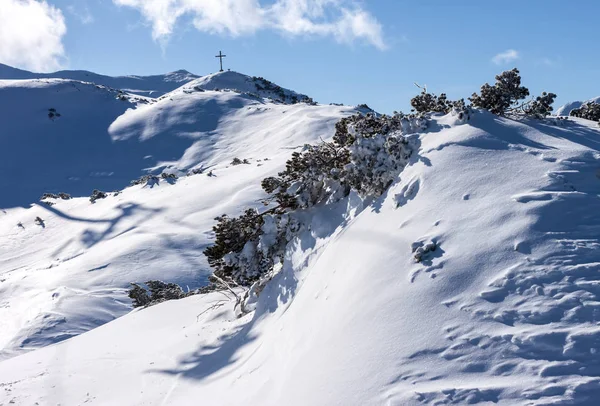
(566, 109)
(104, 139)
(494, 315)
(238, 82)
(52, 291)
(153, 86)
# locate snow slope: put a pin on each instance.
(102, 142)
(153, 86)
(503, 312)
(567, 108)
(71, 274)
(245, 84)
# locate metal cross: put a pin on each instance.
(221, 56)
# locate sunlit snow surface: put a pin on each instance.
(505, 311)
(70, 274)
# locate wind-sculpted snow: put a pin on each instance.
(498, 307)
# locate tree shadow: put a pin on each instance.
(570, 131)
(279, 293)
(91, 237)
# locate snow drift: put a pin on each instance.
(503, 311)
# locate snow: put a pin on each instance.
(500, 307)
(243, 84)
(70, 275)
(153, 86)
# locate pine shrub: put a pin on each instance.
(157, 292)
(97, 194)
(429, 102)
(366, 155)
(504, 95)
(541, 107)
(589, 111)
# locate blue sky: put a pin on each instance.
(334, 50)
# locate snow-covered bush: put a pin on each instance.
(170, 178)
(377, 151)
(139, 295)
(461, 110)
(589, 111)
(165, 176)
(148, 180)
(429, 102)
(231, 236)
(97, 194)
(238, 161)
(157, 292)
(421, 249)
(248, 247)
(506, 93)
(366, 155)
(61, 195)
(195, 171)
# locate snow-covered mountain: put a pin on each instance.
(153, 86)
(70, 274)
(567, 108)
(103, 139)
(504, 311)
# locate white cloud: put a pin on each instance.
(83, 15)
(31, 35)
(505, 57)
(343, 20)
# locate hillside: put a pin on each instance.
(253, 86)
(152, 86)
(499, 315)
(103, 139)
(70, 274)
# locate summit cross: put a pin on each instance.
(221, 56)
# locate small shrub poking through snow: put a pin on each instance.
(421, 249)
(157, 292)
(145, 180)
(195, 171)
(238, 161)
(97, 194)
(61, 195)
(461, 110)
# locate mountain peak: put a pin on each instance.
(254, 85)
